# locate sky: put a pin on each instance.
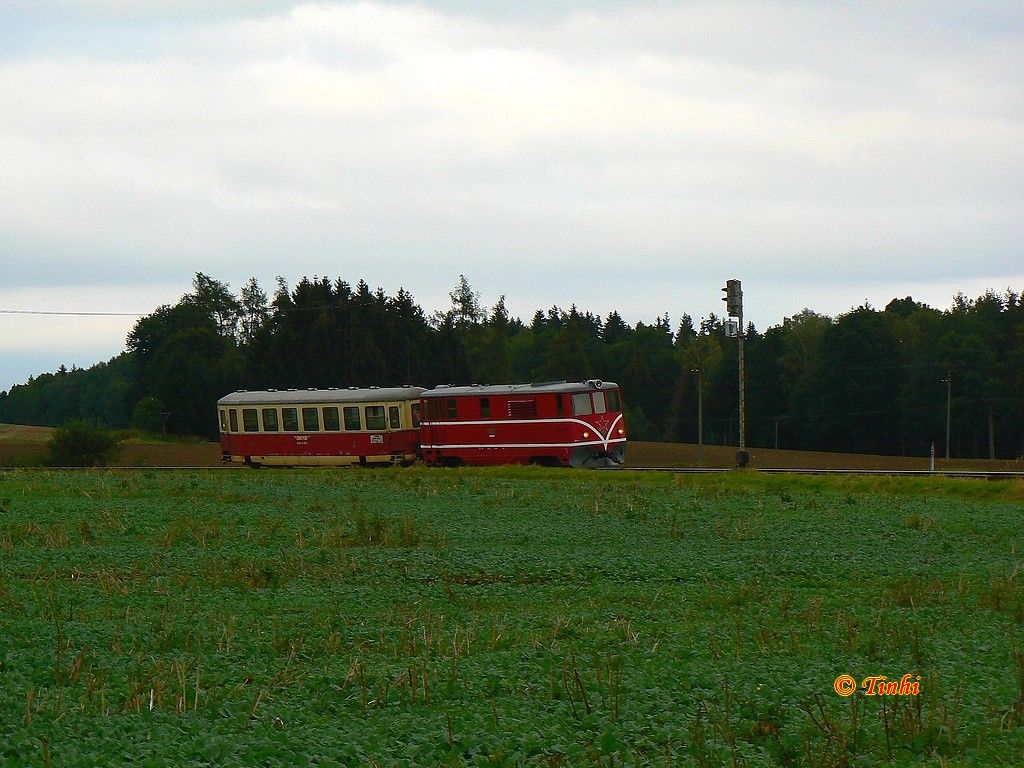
(615, 155)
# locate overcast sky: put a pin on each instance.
(621, 156)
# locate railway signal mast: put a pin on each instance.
(734, 309)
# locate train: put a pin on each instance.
(553, 423)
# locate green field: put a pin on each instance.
(422, 617)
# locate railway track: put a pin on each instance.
(962, 473)
(965, 473)
(213, 467)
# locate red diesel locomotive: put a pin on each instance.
(553, 423)
(318, 427)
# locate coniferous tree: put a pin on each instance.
(868, 380)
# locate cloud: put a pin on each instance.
(613, 149)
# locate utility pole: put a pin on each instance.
(949, 405)
(700, 415)
(742, 382)
(734, 308)
(991, 432)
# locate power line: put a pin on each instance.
(70, 314)
(887, 366)
(269, 312)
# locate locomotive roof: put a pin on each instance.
(330, 395)
(540, 388)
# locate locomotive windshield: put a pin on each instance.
(586, 403)
(613, 400)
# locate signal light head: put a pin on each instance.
(733, 298)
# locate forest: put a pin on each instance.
(869, 380)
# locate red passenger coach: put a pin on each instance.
(320, 426)
(554, 423)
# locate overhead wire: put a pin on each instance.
(70, 313)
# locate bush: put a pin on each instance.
(82, 444)
(148, 415)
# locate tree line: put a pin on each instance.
(869, 380)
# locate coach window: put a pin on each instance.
(352, 422)
(310, 419)
(290, 419)
(223, 420)
(395, 417)
(434, 409)
(270, 420)
(599, 403)
(453, 408)
(485, 408)
(581, 404)
(375, 421)
(613, 400)
(415, 408)
(332, 422)
(233, 415)
(250, 420)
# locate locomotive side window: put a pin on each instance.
(485, 408)
(332, 422)
(290, 418)
(415, 415)
(233, 415)
(310, 419)
(434, 409)
(453, 408)
(352, 422)
(270, 420)
(581, 404)
(395, 417)
(223, 420)
(613, 400)
(375, 421)
(250, 420)
(559, 406)
(599, 403)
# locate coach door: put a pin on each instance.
(431, 415)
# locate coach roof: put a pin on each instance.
(541, 388)
(331, 395)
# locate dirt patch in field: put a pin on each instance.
(22, 446)
(641, 454)
(20, 433)
(169, 455)
(26, 445)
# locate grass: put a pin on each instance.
(506, 616)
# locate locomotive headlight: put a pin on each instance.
(622, 431)
(586, 434)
